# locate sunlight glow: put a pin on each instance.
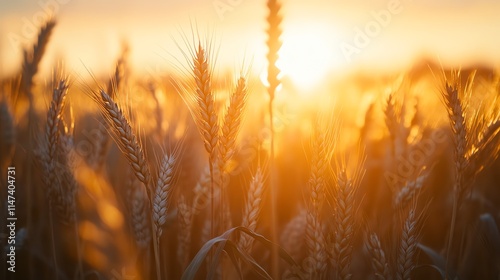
(305, 57)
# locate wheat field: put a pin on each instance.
(198, 176)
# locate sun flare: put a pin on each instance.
(305, 57)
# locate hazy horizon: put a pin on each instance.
(89, 34)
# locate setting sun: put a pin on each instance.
(305, 57)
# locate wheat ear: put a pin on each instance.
(407, 247)
(344, 223)
(125, 138)
(456, 115)
(140, 220)
(32, 58)
(103, 142)
(408, 192)
(163, 191)
(314, 231)
(229, 134)
(133, 151)
(252, 209)
(379, 261)
(207, 118)
(52, 138)
(292, 236)
(185, 215)
(48, 155)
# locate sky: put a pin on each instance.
(333, 35)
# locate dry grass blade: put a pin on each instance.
(223, 243)
(379, 261)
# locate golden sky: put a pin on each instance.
(318, 34)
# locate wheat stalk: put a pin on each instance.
(65, 201)
(395, 121)
(132, 149)
(340, 254)
(125, 138)
(229, 133)
(206, 117)
(314, 231)
(69, 187)
(274, 43)
(8, 134)
(32, 58)
(48, 153)
(456, 115)
(102, 144)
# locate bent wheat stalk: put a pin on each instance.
(131, 148)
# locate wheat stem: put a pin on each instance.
(274, 44)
